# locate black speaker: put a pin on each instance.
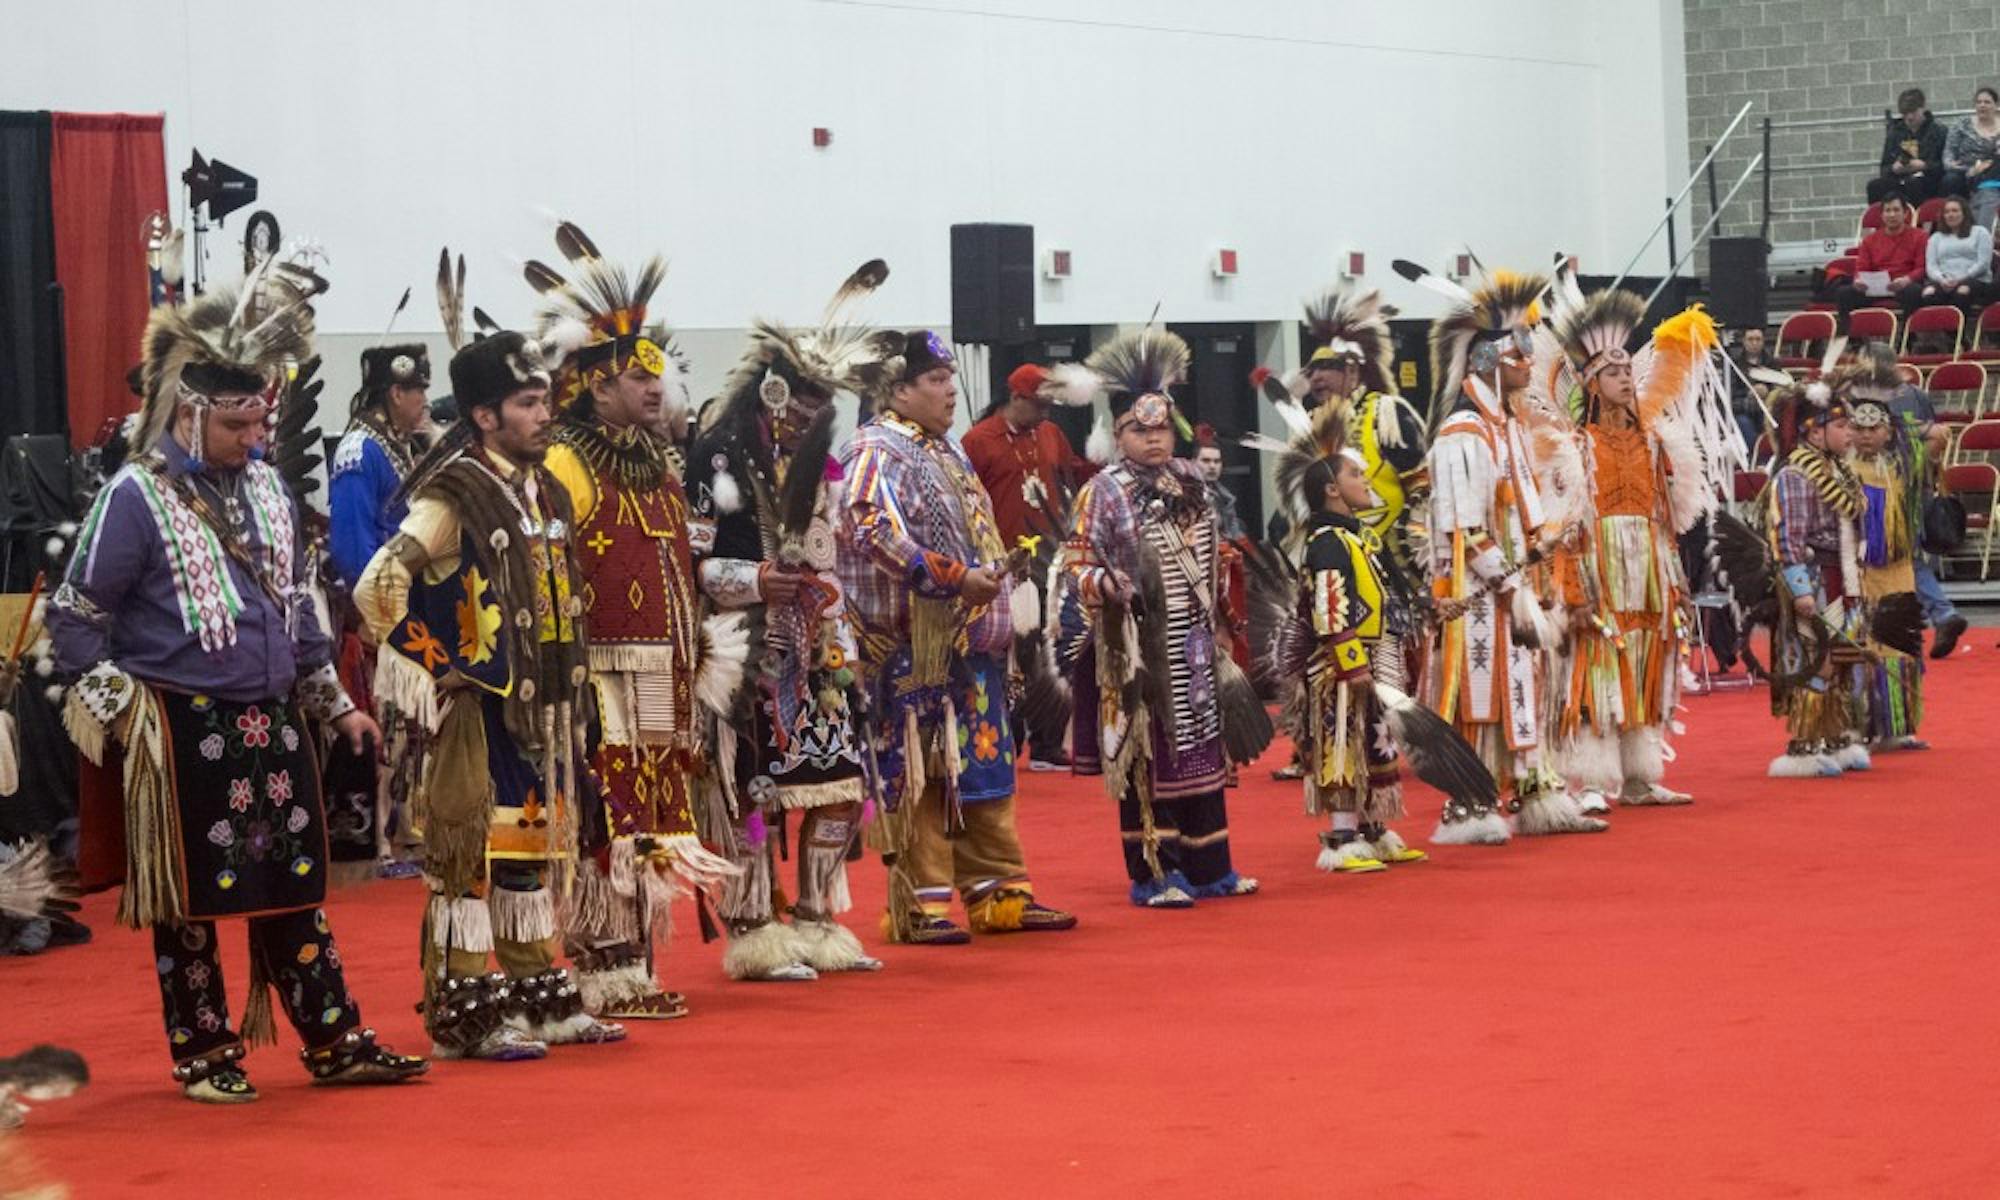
(993, 284)
(1739, 281)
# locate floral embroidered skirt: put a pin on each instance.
(252, 833)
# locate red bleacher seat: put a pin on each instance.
(1985, 336)
(1959, 391)
(1930, 320)
(1872, 325)
(1802, 337)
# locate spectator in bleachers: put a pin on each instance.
(1896, 251)
(1912, 153)
(1972, 156)
(1959, 261)
(1745, 393)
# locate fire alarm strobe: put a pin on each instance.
(1056, 265)
(1353, 264)
(822, 137)
(1224, 264)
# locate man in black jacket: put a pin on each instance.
(1912, 153)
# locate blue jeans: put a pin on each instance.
(1752, 425)
(1937, 606)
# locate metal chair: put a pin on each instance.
(1940, 319)
(1803, 332)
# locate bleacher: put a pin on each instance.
(1952, 355)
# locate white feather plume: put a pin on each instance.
(728, 496)
(1075, 384)
(725, 648)
(1101, 444)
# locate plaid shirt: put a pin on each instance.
(1808, 527)
(914, 520)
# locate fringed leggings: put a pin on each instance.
(293, 951)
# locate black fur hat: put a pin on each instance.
(487, 371)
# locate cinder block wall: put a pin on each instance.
(1809, 59)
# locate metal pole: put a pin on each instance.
(1671, 253)
(1764, 226)
(1710, 172)
(1703, 231)
(1681, 195)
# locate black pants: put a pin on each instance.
(297, 954)
(1978, 292)
(1849, 297)
(1193, 838)
(1914, 188)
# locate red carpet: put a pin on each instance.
(1786, 990)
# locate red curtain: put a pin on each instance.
(107, 173)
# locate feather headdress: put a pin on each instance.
(1495, 310)
(1135, 374)
(1354, 325)
(230, 349)
(1594, 333)
(806, 366)
(595, 325)
(1319, 434)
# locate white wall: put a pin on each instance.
(1140, 134)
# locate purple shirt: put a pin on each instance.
(118, 602)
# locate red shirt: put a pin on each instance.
(1003, 458)
(1900, 254)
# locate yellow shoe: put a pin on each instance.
(1351, 856)
(1390, 848)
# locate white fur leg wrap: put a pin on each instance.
(1592, 762)
(1642, 752)
(1554, 811)
(1795, 766)
(826, 946)
(1853, 757)
(1489, 829)
(758, 952)
(1332, 858)
(624, 984)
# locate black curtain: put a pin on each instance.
(31, 345)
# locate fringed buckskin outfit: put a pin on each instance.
(476, 604)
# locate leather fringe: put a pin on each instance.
(522, 916)
(152, 893)
(260, 1023)
(455, 806)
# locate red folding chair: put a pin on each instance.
(1933, 320)
(1958, 389)
(1910, 373)
(1806, 335)
(1750, 485)
(1871, 220)
(1839, 270)
(1985, 336)
(1872, 325)
(1929, 211)
(1763, 450)
(1976, 479)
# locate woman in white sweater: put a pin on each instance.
(1958, 262)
